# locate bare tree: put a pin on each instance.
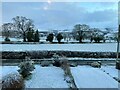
(97, 35)
(23, 24)
(6, 29)
(79, 31)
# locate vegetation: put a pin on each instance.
(23, 24)
(7, 39)
(50, 37)
(59, 37)
(6, 30)
(79, 30)
(26, 68)
(12, 81)
(24, 27)
(36, 36)
(30, 35)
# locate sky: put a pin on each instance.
(63, 15)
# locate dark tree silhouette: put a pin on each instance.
(50, 37)
(59, 37)
(36, 36)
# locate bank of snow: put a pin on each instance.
(89, 77)
(102, 47)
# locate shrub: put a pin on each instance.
(59, 37)
(26, 68)
(30, 35)
(50, 37)
(56, 61)
(66, 68)
(118, 65)
(45, 63)
(36, 36)
(7, 39)
(96, 64)
(13, 81)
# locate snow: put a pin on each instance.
(8, 69)
(111, 70)
(42, 77)
(47, 77)
(102, 47)
(89, 77)
(53, 77)
(11, 39)
(97, 59)
(4, 70)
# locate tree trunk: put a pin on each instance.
(80, 40)
(24, 37)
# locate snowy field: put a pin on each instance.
(102, 47)
(84, 76)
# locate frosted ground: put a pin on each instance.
(84, 76)
(89, 77)
(90, 47)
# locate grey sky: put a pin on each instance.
(63, 15)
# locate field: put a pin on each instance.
(92, 47)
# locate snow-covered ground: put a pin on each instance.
(42, 77)
(84, 76)
(4, 70)
(102, 47)
(47, 77)
(89, 77)
(11, 39)
(111, 70)
(97, 59)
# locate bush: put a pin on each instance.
(66, 66)
(7, 39)
(56, 61)
(12, 81)
(59, 37)
(96, 64)
(118, 65)
(50, 37)
(30, 35)
(36, 36)
(45, 63)
(26, 68)
(98, 39)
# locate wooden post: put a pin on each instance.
(118, 50)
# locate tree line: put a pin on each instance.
(24, 27)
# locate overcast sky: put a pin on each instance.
(63, 15)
